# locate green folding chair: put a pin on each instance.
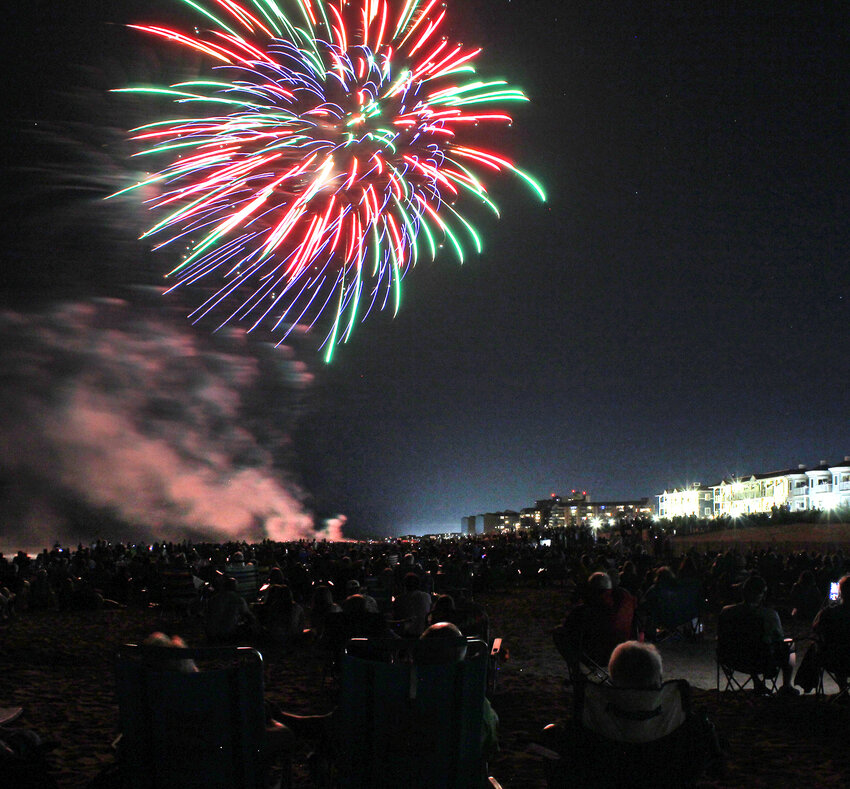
(183, 729)
(408, 717)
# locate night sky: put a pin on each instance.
(676, 312)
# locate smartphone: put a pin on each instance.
(834, 594)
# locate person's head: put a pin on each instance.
(322, 597)
(599, 582)
(354, 604)
(449, 633)
(844, 589)
(411, 582)
(158, 639)
(280, 594)
(635, 665)
(807, 578)
(753, 589)
(443, 605)
(352, 587)
(276, 576)
(664, 576)
(230, 584)
(687, 567)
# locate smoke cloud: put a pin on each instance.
(117, 421)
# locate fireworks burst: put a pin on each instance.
(339, 153)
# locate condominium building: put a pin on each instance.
(575, 509)
(696, 500)
(485, 523)
(736, 497)
(598, 513)
(824, 487)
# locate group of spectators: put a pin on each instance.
(300, 583)
(615, 606)
(618, 599)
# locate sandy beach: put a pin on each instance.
(58, 667)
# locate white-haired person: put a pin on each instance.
(635, 665)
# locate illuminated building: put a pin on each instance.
(578, 511)
(558, 512)
(740, 496)
(824, 487)
(697, 500)
(485, 523)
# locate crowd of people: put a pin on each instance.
(617, 598)
(283, 592)
(66, 577)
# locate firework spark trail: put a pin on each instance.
(341, 142)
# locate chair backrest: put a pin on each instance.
(247, 579)
(406, 720)
(184, 729)
(178, 587)
(740, 642)
(634, 716)
(834, 638)
(678, 604)
(646, 739)
(382, 594)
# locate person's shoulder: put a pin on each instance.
(830, 613)
(623, 596)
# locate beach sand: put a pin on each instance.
(58, 667)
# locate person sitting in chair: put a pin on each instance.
(593, 628)
(636, 731)
(832, 626)
(805, 597)
(753, 618)
(228, 617)
(832, 646)
(457, 652)
(413, 605)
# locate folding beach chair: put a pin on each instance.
(340, 628)
(409, 718)
(678, 611)
(180, 729)
(581, 667)
(247, 579)
(178, 592)
(743, 659)
(835, 664)
(637, 738)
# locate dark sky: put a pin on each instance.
(677, 311)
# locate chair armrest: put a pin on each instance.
(9, 714)
(494, 784)
(546, 753)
